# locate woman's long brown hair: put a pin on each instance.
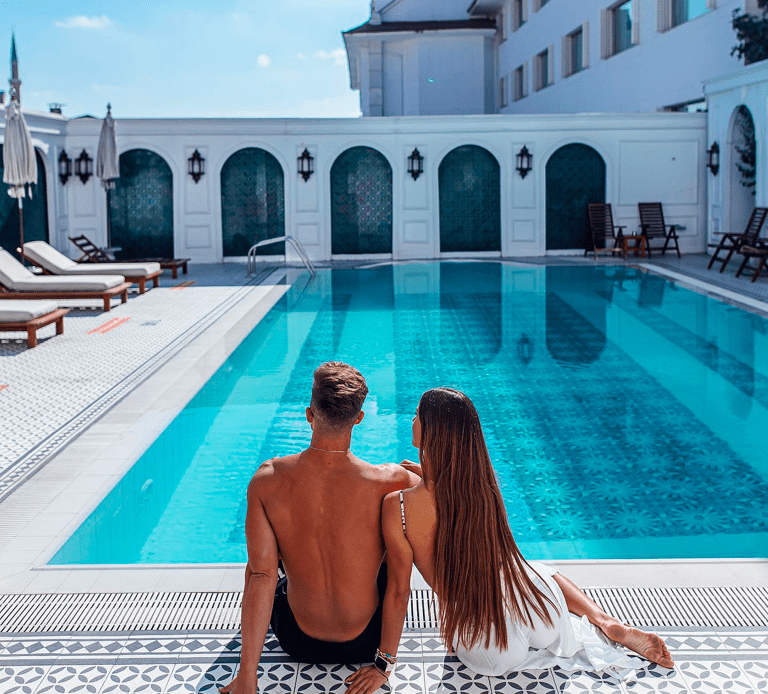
(480, 573)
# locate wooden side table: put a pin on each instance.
(636, 243)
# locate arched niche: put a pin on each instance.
(141, 206)
(741, 167)
(575, 176)
(252, 202)
(469, 182)
(361, 203)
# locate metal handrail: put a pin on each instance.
(295, 243)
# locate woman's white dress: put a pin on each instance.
(570, 643)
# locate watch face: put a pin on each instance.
(382, 664)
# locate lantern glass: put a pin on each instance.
(524, 158)
(65, 167)
(415, 164)
(305, 164)
(713, 163)
(196, 165)
(84, 167)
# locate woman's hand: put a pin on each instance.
(415, 468)
(241, 685)
(365, 681)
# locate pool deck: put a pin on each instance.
(141, 363)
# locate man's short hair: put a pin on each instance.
(338, 393)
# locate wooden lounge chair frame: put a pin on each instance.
(91, 253)
(653, 226)
(759, 251)
(32, 326)
(106, 296)
(731, 243)
(602, 227)
(141, 280)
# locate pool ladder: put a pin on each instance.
(296, 245)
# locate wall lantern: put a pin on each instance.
(65, 167)
(305, 164)
(525, 349)
(415, 164)
(713, 158)
(84, 167)
(196, 166)
(524, 158)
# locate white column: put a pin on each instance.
(565, 58)
(635, 23)
(606, 33)
(551, 63)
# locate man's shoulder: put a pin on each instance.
(272, 468)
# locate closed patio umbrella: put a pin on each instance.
(19, 161)
(107, 162)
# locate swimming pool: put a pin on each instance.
(626, 416)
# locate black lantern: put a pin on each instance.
(196, 166)
(525, 349)
(65, 167)
(415, 164)
(305, 164)
(713, 158)
(524, 158)
(84, 167)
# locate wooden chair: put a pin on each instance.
(731, 243)
(604, 230)
(653, 226)
(93, 254)
(29, 317)
(759, 251)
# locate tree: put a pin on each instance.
(752, 34)
(747, 150)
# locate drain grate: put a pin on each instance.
(105, 612)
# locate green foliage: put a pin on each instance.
(748, 150)
(752, 34)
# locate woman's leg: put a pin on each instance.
(648, 645)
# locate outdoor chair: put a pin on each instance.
(17, 282)
(653, 226)
(604, 231)
(759, 251)
(51, 262)
(730, 243)
(30, 316)
(93, 254)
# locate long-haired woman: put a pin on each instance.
(497, 611)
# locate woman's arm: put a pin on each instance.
(399, 564)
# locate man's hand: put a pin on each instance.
(241, 685)
(365, 681)
(415, 468)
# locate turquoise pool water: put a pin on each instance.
(626, 417)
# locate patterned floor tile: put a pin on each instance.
(135, 678)
(85, 679)
(530, 681)
(323, 679)
(22, 679)
(757, 672)
(408, 678)
(451, 677)
(716, 677)
(36, 647)
(656, 679)
(694, 642)
(200, 677)
(571, 683)
(277, 678)
(745, 641)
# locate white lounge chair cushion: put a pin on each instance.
(15, 277)
(57, 263)
(20, 311)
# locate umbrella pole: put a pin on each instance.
(109, 222)
(21, 230)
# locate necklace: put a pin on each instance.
(325, 450)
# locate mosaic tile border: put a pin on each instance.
(31, 462)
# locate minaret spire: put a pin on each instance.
(15, 81)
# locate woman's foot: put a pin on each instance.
(648, 645)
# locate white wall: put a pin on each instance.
(648, 157)
(422, 10)
(664, 69)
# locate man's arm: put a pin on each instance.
(399, 564)
(259, 592)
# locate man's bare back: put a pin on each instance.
(325, 512)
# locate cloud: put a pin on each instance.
(83, 22)
(339, 56)
(264, 60)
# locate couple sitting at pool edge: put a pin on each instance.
(346, 534)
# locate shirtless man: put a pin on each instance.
(320, 513)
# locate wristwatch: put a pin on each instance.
(384, 662)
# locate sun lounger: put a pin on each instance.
(16, 282)
(731, 243)
(91, 253)
(653, 226)
(758, 251)
(30, 316)
(52, 262)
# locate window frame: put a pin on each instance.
(520, 77)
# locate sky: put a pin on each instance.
(184, 58)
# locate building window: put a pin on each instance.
(520, 84)
(538, 4)
(519, 13)
(575, 52)
(503, 98)
(622, 26)
(543, 67)
(685, 10)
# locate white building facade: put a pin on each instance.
(430, 57)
